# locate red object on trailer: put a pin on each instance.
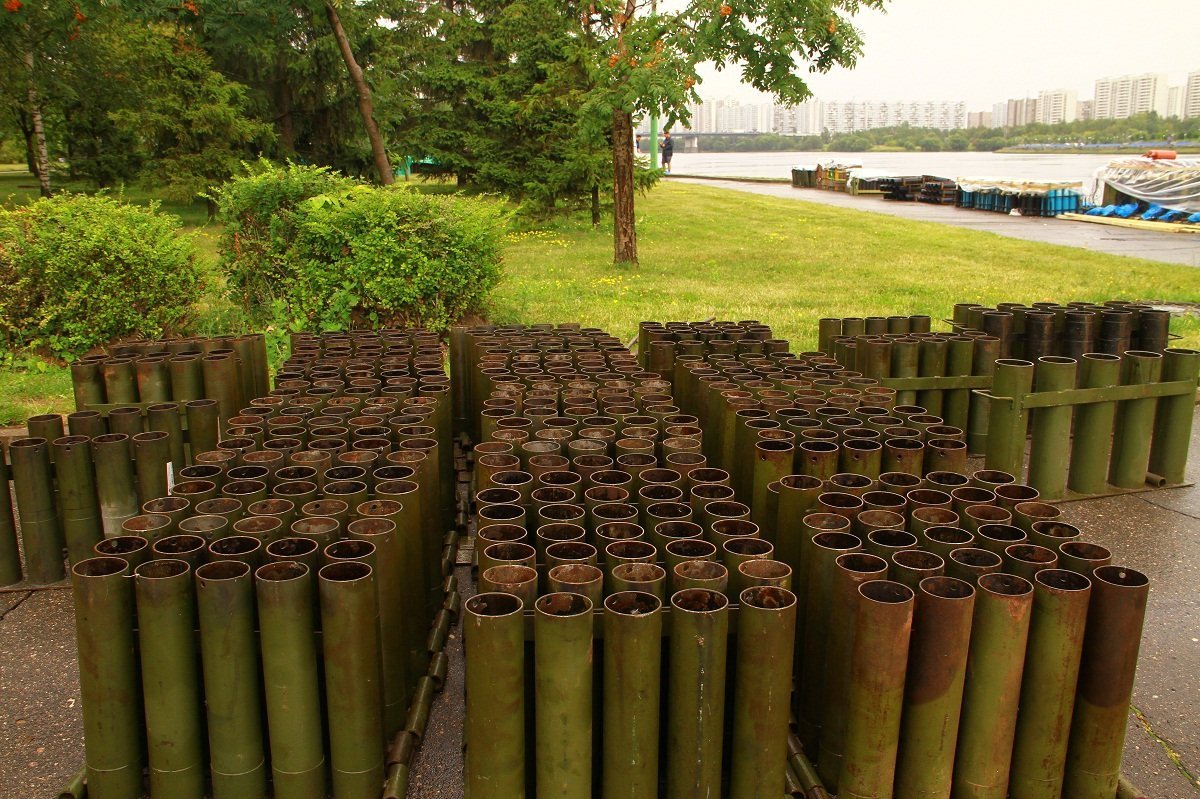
(1161, 155)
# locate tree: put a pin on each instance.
(646, 63)
(34, 40)
(365, 107)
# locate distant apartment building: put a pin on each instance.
(1125, 95)
(729, 115)
(1055, 106)
(1175, 102)
(1085, 110)
(979, 119)
(804, 119)
(852, 117)
(1022, 111)
(1191, 96)
(999, 115)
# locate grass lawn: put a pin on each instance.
(714, 252)
(709, 251)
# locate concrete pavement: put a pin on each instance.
(1178, 248)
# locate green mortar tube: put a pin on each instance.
(762, 692)
(1134, 427)
(632, 675)
(933, 690)
(171, 688)
(696, 693)
(77, 502)
(232, 685)
(876, 699)
(33, 487)
(1110, 651)
(1173, 423)
(1060, 601)
(349, 618)
(290, 680)
(1051, 432)
(1092, 444)
(562, 673)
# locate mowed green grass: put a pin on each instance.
(707, 251)
(710, 252)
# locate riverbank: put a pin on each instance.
(1093, 239)
(1090, 151)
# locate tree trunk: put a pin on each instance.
(27, 131)
(365, 107)
(595, 205)
(624, 229)
(287, 127)
(39, 132)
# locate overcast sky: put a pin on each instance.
(985, 51)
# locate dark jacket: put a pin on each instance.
(668, 149)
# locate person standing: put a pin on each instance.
(637, 144)
(668, 150)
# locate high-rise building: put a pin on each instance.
(1085, 110)
(1055, 106)
(1022, 111)
(804, 119)
(852, 117)
(1191, 96)
(1125, 95)
(1175, 101)
(979, 119)
(1000, 115)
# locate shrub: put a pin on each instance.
(82, 271)
(258, 211)
(349, 254)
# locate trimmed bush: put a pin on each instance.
(82, 271)
(352, 255)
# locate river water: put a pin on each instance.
(1015, 166)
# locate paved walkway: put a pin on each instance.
(1178, 248)
(1158, 532)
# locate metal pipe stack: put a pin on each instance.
(906, 603)
(305, 547)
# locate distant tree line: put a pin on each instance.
(1141, 128)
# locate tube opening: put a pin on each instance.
(847, 480)
(350, 549)
(570, 550)
(315, 525)
(1122, 576)
(558, 531)
(1005, 584)
(100, 567)
(145, 522)
(615, 511)
(918, 559)
(282, 571)
(1062, 580)
(862, 563)
(234, 545)
(678, 529)
(291, 547)
(639, 572)
(929, 496)
(121, 545)
(989, 513)
(563, 604)
(510, 574)
(980, 558)
(892, 538)
(494, 605)
(344, 571)
(562, 512)
(699, 600)
(691, 548)
(222, 570)
(1084, 550)
(837, 541)
(886, 592)
(947, 587)
(632, 603)
(218, 506)
(701, 570)
(379, 507)
(799, 482)
(767, 597)
(161, 569)
(752, 547)
(945, 534)
(631, 549)
(1056, 529)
